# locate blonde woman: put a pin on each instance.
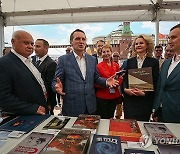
(137, 103)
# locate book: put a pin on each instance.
(141, 78)
(90, 122)
(70, 141)
(24, 123)
(135, 151)
(160, 134)
(105, 144)
(34, 143)
(127, 129)
(57, 123)
(169, 149)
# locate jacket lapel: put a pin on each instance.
(22, 65)
(174, 73)
(75, 64)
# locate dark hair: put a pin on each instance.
(45, 43)
(100, 41)
(176, 26)
(158, 46)
(77, 30)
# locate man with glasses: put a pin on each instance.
(158, 54)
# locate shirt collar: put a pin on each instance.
(138, 57)
(42, 58)
(24, 59)
(76, 56)
(177, 57)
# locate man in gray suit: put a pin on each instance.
(168, 91)
(75, 77)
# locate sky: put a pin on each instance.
(58, 34)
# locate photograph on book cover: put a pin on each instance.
(141, 78)
(70, 141)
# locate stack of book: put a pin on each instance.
(90, 122)
(70, 141)
(127, 129)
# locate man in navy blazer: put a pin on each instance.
(21, 88)
(168, 93)
(75, 77)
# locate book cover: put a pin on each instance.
(127, 129)
(70, 141)
(24, 123)
(34, 143)
(57, 123)
(136, 151)
(160, 134)
(87, 121)
(141, 78)
(169, 149)
(102, 144)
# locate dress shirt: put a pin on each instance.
(41, 59)
(81, 63)
(174, 62)
(33, 69)
(140, 60)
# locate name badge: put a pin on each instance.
(111, 90)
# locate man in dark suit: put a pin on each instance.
(168, 90)
(98, 54)
(75, 77)
(22, 89)
(46, 67)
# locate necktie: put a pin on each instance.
(38, 63)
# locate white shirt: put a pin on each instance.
(33, 69)
(42, 58)
(140, 61)
(81, 63)
(173, 64)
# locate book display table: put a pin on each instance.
(103, 129)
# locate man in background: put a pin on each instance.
(46, 67)
(98, 54)
(166, 102)
(168, 52)
(68, 50)
(22, 90)
(158, 50)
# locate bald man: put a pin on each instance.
(22, 89)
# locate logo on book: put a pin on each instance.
(145, 140)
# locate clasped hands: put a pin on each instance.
(134, 91)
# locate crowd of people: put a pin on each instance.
(88, 84)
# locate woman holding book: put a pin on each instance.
(107, 98)
(138, 103)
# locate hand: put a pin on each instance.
(130, 92)
(138, 92)
(41, 110)
(59, 87)
(112, 82)
(153, 118)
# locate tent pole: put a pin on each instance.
(1, 30)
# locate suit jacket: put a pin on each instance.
(168, 93)
(140, 106)
(20, 92)
(106, 71)
(79, 92)
(47, 69)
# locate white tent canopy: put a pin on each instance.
(23, 12)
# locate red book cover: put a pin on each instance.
(127, 129)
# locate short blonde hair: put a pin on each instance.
(107, 46)
(149, 42)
